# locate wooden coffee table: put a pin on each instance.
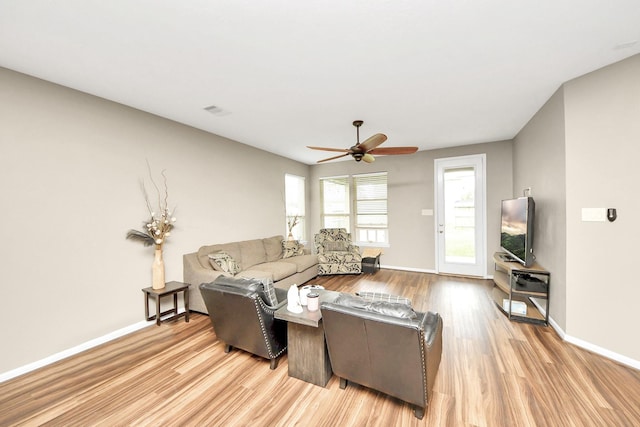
(307, 353)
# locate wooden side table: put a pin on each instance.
(371, 260)
(171, 288)
(307, 353)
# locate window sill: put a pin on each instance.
(373, 245)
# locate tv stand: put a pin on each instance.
(516, 285)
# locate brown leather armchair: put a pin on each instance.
(385, 346)
(241, 318)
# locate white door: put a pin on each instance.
(460, 215)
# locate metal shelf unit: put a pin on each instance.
(515, 288)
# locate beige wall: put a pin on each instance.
(411, 189)
(539, 164)
(579, 151)
(602, 111)
(70, 166)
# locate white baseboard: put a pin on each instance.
(587, 345)
(416, 270)
(74, 350)
(603, 352)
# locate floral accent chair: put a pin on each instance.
(336, 253)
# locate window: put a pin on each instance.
(295, 206)
(369, 202)
(334, 192)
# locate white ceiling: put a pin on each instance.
(286, 73)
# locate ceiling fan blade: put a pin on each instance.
(372, 142)
(386, 151)
(341, 150)
(368, 158)
(333, 158)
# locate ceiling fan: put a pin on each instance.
(367, 149)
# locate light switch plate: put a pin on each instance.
(594, 214)
(427, 212)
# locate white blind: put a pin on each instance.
(335, 195)
(371, 200)
(335, 202)
(294, 195)
(294, 187)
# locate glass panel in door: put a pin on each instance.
(459, 215)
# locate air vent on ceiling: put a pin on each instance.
(216, 111)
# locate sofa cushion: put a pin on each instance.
(232, 249)
(291, 248)
(339, 257)
(392, 309)
(222, 261)
(278, 270)
(252, 253)
(302, 262)
(273, 248)
(255, 273)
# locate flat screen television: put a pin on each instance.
(516, 229)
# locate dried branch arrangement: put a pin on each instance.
(159, 226)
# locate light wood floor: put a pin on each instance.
(493, 373)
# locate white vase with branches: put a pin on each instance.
(291, 223)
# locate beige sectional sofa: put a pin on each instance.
(258, 258)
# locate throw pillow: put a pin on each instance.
(269, 292)
(381, 296)
(291, 248)
(335, 246)
(222, 261)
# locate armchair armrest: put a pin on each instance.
(432, 323)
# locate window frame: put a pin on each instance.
(350, 216)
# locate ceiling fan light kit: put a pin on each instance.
(366, 150)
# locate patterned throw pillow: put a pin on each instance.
(269, 292)
(335, 246)
(222, 261)
(291, 248)
(381, 296)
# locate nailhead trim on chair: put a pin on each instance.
(424, 368)
(259, 303)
